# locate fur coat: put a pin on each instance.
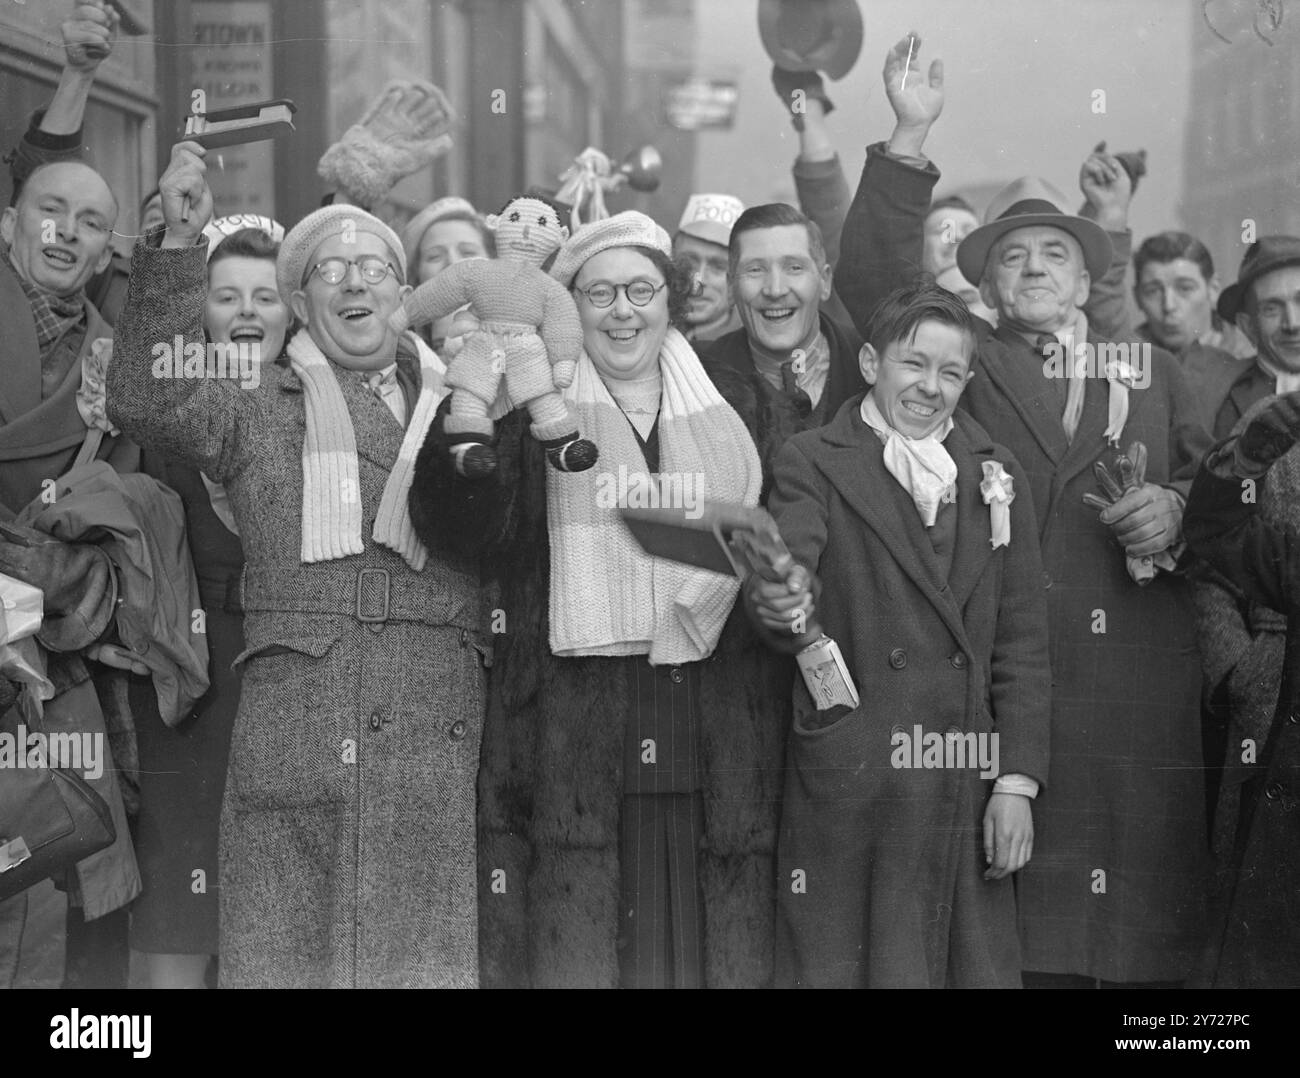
(551, 770)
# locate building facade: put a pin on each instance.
(1242, 166)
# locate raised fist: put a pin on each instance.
(89, 34)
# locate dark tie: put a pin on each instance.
(802, 402)
(1050, 348)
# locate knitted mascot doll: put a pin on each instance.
(529, 335)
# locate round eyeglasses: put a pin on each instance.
(332, 270)
(638, 292)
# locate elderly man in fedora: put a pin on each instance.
(1114, 891)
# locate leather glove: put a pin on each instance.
(1146, 518)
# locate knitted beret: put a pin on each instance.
(314, 229)
(413, 233)
(627, 229)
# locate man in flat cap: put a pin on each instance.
(1113, 893)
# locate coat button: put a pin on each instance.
(1047, 580)
(1293, 718)
(1273, 791)
(898, 658)
(376, 720)
(958, 660)
(458, 729)
(677, 675)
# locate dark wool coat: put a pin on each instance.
(1256, 938)
(183, 768)
(843, 380)
(1125, 791)
(347, 832)
(551, 779)
(1115, 887)
(893, 859)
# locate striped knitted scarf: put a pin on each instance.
(331, 488)
(608, 597)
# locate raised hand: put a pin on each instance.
(1107, 189)
(185, 184)
(917, 99)
(89, 34)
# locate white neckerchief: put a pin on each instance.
(921, 465)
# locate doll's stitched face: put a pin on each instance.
(917, 382)
(528, 230)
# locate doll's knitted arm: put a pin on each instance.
(561, 331)
(452, 288)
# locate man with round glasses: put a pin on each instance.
(332, 270)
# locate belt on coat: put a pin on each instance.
(371, 595)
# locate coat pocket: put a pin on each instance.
(291, 746)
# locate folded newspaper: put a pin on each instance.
(737, 540)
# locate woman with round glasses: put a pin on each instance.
(183, 769)
(630, 770)
(347, 827)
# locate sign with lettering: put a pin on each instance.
(701, 103)
(231, 64)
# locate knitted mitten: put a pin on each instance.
(404, 129)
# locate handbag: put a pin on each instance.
(50, 818)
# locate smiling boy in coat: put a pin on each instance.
(905, 817)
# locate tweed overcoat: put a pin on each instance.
(551, 781)
(892, 859)
(347, 834)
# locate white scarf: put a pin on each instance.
(1120, 376)
(331, 488)
(921, 465)
(608, 597)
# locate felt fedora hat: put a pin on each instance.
(811, 35)
(1263, 256)
(1023, 203)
